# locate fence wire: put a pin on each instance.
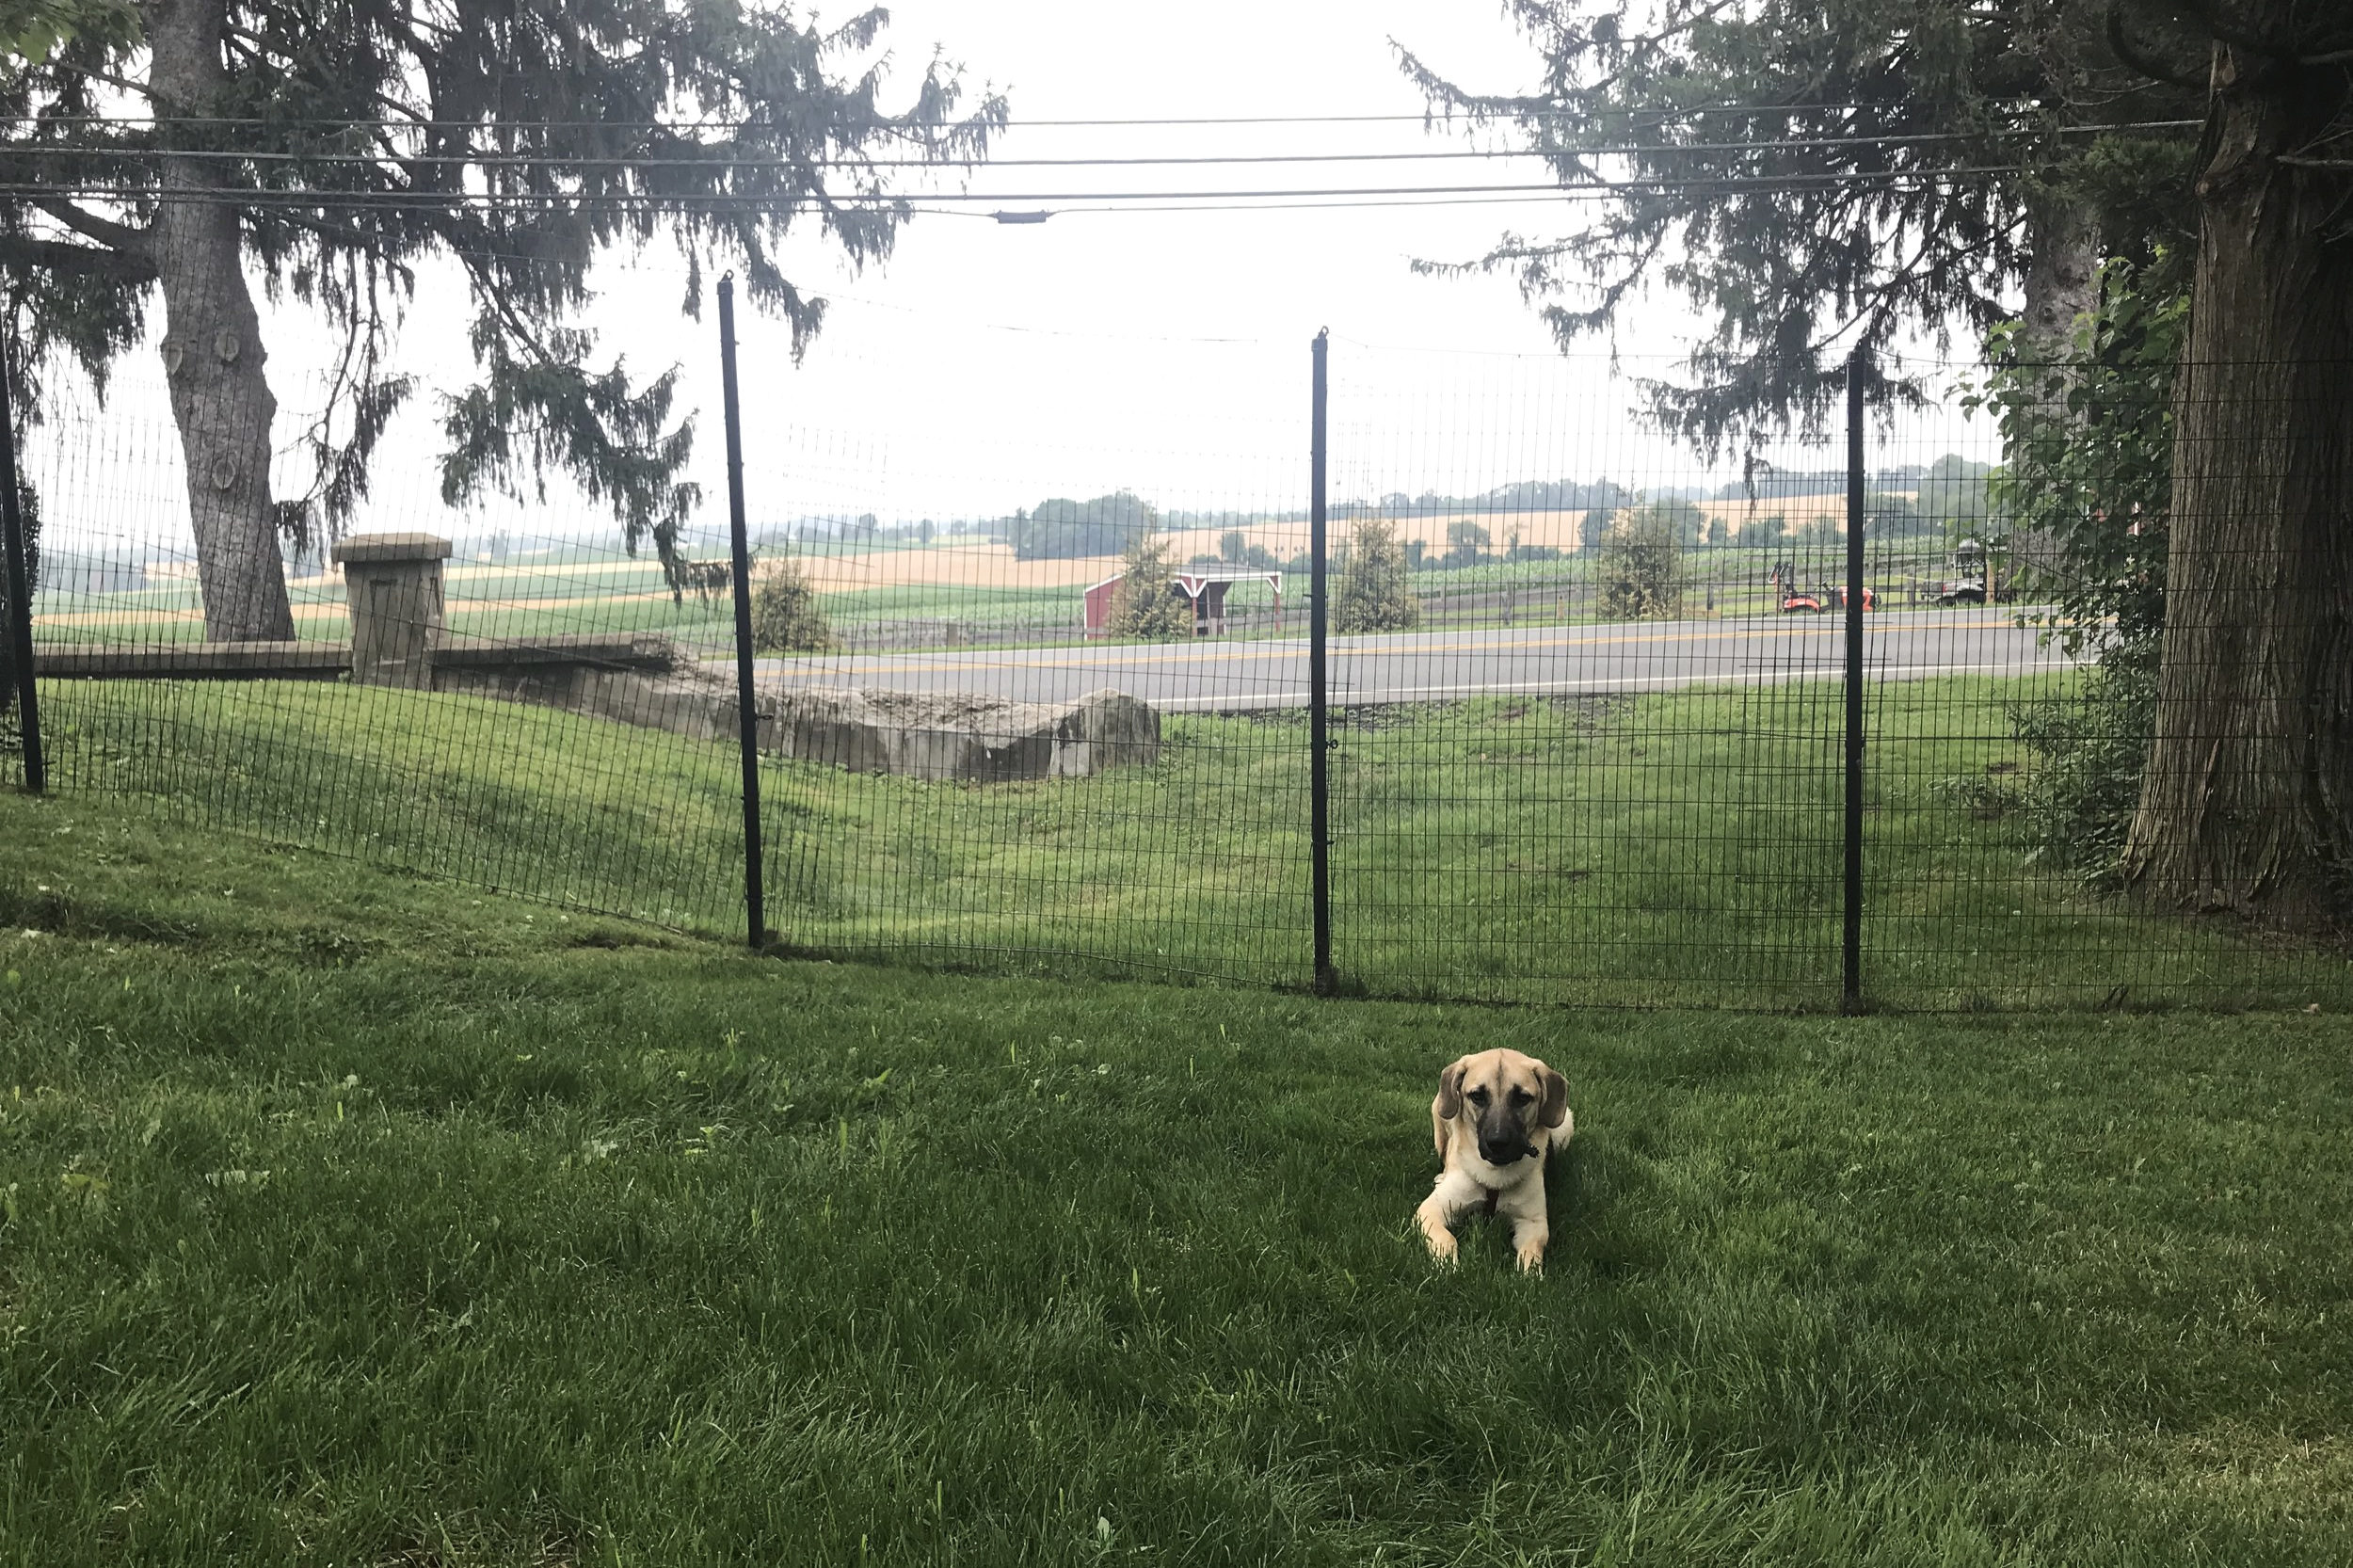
(1035, 699)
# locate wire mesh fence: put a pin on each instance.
(1064, 731)
(1030, 702)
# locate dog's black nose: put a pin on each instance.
(1500, 1154)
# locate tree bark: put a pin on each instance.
(2248, 802)
(2062, 282)
(220, 397)
(2062, 286)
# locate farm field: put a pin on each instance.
(352, 1217)
(1669, 849)
(1561, 529)
(870, 593)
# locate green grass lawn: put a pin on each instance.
(1676, 849)
(351, 1218)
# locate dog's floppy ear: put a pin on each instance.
(1555, 1106)
(1450, 1089)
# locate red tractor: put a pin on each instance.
(1820, 600)
(1792, 599)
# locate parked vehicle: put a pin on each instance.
(1968, 583)
(1820, 599)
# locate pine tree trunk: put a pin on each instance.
(2062, 282)
(2248, 802)
(2062, 286)
(220, 397)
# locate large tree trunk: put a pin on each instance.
(213, 349)
(2248, 802)
(2062, 287)
(2062, 282)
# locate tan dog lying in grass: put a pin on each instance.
(1496, 1116)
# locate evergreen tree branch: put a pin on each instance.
(1701, 115)
(120, 238)
(86, 261)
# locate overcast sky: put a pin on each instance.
(985, 367)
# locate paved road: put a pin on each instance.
(1418, 667)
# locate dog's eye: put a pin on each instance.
(1521, 1096)
(1479, 1096)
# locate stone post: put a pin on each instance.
(393, 582)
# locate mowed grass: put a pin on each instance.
(1678, 848)
(352, 1219)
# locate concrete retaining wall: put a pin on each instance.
(650, 682)
(956, 735)
(394, 583)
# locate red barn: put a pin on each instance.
(1099, 604)
(1204, 587)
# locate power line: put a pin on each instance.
(1435, 116)
(720, 200)
(576, 161)
(1444, 115)
(1570, 194)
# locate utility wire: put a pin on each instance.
(1435, 116)
(574, 161)
(652, 201)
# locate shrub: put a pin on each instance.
(2082, 505)
(2091, 748)
(1374, 593)
(1640, 570)
(1143, 608)
(786, 615)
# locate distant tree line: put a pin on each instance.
(1059, 529)
(1951, 501)
(1527, 495)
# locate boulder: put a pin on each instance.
(945, 735)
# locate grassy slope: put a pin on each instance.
(1674, 848)
(352, 1219)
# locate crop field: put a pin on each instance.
(919, 594)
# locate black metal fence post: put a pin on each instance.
(19, 595)
(1851, 990)
(1319, 760)
(747, 714)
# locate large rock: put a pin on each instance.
(942, 735)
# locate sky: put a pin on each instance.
(985, 367)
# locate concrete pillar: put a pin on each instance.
(393, 582)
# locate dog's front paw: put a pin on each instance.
(1531, 1255)
(1443, 1247)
